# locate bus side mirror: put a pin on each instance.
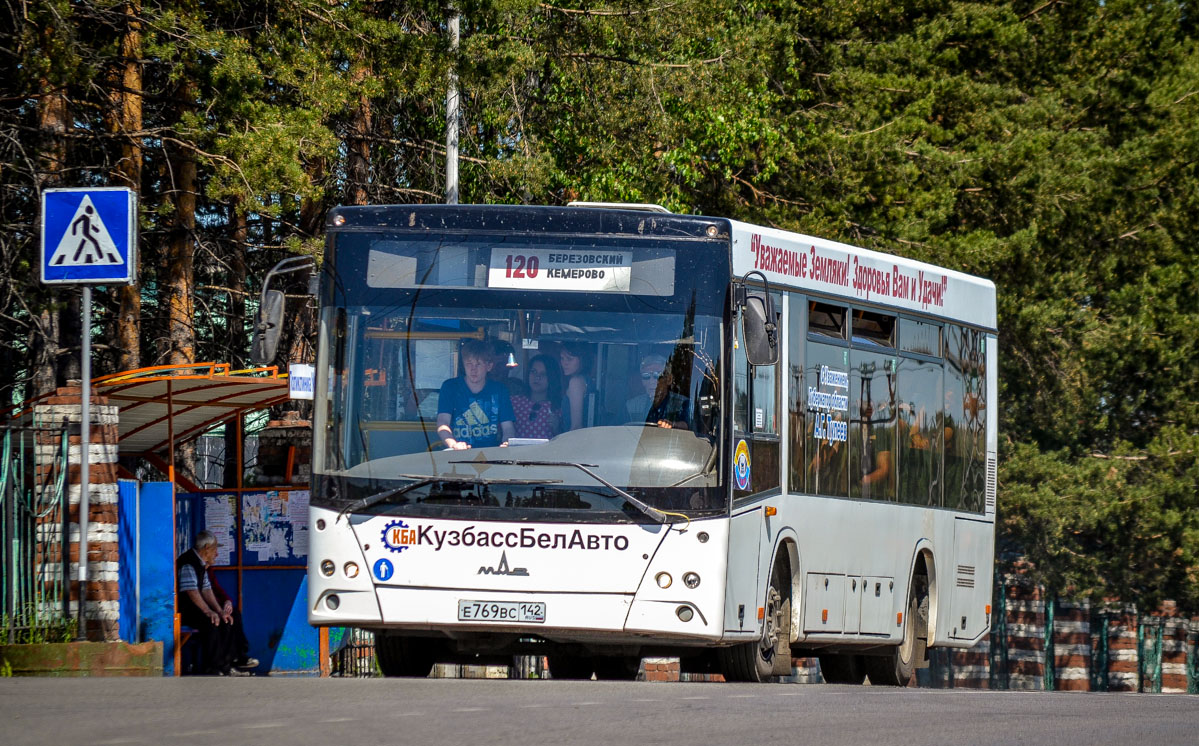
(267, 326)
(760, 326)
(268, 323)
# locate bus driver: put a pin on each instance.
(474, 411)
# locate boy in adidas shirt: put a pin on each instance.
(474, 411)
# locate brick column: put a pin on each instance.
(284, 439)
(102, 606)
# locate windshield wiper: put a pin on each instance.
(423, 480)
(658, 515)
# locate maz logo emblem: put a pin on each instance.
(503, 569)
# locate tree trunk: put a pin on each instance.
(358, 161)
(312, 212)
(179, 285)
(125, 118)
(53, 122)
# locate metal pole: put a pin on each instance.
(178, 663)
(10, 536)
(84, 456)
(451, 114)
(137, 588)
(1050, 673)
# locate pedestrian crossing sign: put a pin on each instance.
(89, 236)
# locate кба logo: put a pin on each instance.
(397, 536)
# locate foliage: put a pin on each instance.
(32, 628)
(1050, 146)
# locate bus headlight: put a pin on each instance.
(691, 580)
(327, 567)
(663, 579)
(332, 602)
(684, 613)
(351, 570)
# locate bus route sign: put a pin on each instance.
(89, 236)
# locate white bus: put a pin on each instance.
(695, 437)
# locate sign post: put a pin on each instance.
(89, 237)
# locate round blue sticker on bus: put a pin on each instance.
(741, 465)
(383, 569)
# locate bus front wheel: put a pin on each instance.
(570, 667)
(405, 656)
(618, 668)
(755, 661)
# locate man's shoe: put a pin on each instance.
(246, 665)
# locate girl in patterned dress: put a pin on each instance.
(539, 415)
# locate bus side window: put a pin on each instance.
(965, 419)
(826, 397)
(919, 430)
(872, 364)
(756, 395)
(740, 384)
(796, 329)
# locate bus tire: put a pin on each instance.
(754, 661)
(618, 668)
(896, 667)
(405, 656)
(842, 668)
(570, 667)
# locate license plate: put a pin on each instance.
(519, 612)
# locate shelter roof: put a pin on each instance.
(190, 399)
(196, 397)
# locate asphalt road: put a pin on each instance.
(433, 712)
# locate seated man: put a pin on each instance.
(216, 624)
(474, 411)
(658, 405)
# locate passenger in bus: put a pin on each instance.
(658, 405)
(539, 414)
(577, 360)
(472, 410)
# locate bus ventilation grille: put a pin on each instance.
(992, 478)
(965, 576)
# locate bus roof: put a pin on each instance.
(840, 270)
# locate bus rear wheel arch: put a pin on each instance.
(897, 666)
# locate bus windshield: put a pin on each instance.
(452, 395)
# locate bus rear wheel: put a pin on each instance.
(896, 668)
(405, 656)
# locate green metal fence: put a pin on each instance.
(33, 528)
(1038, 641)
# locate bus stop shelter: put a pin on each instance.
(261, 529)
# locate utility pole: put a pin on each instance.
(451, 114)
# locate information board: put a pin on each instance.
(203, 511)
(275, 527)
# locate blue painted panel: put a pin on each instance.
(226, 578)
(276, 618)
(158, 570)
(127, 552)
